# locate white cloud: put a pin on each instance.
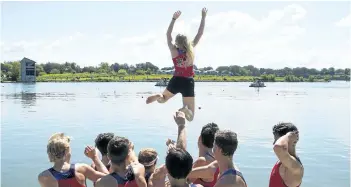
(139, 40)
(275, 40)
(63, 41)
(344, 22)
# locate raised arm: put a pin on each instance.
(90, 152)
(170, 29)
(201, 28)
(281, 150)
(89, 172)
(179, 118)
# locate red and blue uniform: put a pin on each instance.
(123, 181)
(232, 172)
(66, 179)
(275, 179)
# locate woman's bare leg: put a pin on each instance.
(160, 98)
(188, 108)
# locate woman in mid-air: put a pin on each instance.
(183, 61)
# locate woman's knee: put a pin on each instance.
(162, 99)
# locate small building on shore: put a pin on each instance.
(28, 70)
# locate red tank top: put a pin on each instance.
(67, 178)
(208, 184)
(276, 180)
(180, 68)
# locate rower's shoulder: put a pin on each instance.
(46, 179)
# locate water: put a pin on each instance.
(31, 113)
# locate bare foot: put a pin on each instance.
(153, 98)
(188, 113)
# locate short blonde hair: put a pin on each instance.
(147, 156)
(57, 147)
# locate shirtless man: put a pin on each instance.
(288, 171)
(225, 145)
(178, 161)
(64, 174)
(125, 168)
(205, 145)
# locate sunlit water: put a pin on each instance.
(31, 113)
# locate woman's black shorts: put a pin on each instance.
(183, 85)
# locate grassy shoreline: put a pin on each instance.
(87, 77)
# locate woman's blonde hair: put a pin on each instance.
(182, 41)
(57, 147)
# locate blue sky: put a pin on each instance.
(263, 34)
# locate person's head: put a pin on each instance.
(282, 129)
(118, 150)
(58, 148)
(183, 43)
(101, 142)
(148, 157)
(207, 135)
(225, 144)
(178, 163)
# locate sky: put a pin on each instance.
(264, 34)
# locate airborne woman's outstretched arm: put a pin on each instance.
(170, 29)
(201, 28)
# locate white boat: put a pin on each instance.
(162, 82)
(257, 84)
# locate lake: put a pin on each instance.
(30, 113)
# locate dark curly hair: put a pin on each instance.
(283, 128)
(208, 132)
(102, 140)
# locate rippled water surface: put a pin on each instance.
(30, 113)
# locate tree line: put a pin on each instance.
(11, 70)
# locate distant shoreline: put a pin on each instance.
(104, 77)
(136, 81)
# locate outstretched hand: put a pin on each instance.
(177, 14)
(204, 12)
(293, 136)
(169, 141)
(90, 152)
(171, 144)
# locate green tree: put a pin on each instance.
(15, 71)
(140, 72)
(104, 67)
(39, 69)
(55, 71)
(122, 72)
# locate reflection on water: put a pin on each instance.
(28, 99)
(320, 110)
